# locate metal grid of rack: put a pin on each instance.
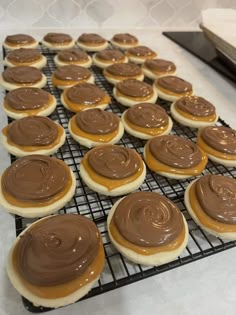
(118, 271)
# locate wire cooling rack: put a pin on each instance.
(118, 271)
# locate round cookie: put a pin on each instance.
(174, 157)
(140, 54)
(155, 68)
(70, 75)
(122, 71)
(33, 135)
(194, 111)
(211, 202)
(16, 41)
(112, 170)
(84, 96)
(70, 261)
(131, 92)
(22, 76)
(171, 88)
(58, 41)
(95, 127)
(36, 186)
(219, 143)
(92, 42)
(124, 41)
(146, 120)
(107, 57)
(73, 56)
(28, 101)
(25, 57)
(147, 228)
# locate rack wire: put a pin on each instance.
(118, 271)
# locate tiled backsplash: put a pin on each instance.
(104, 13)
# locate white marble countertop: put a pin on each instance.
(207, 286)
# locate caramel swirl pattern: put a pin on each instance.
(22, 75)
(134, 88)
(141, 51)
(174, 84)
(90, 38)
(217, 197)
(57, 249)
(57, 38)
(73, 54)
(114, 162)
(35, 178)
(195, 105)
(72, 72)
(175, 151)
(148, 219)
(125, 38)
(220, 138)
(19, 39)
(96, 121)
(22, 55)
(85, 93)
(124, 69)
(160, 65)
(147, 115)
(32, 131)
(110, 55)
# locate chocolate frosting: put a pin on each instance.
(20, 39)
(73, 54)
(24, 55)
(175, 151)
(134, 88)
(113, 55)
(35, 178)
(91, 39)
(57, 38)
(160, 65)
(22, 75)
(114, 162)
(57, 249)
(72, 72)
(141, 51)
(195, 105)
(32, 131)
(85, 93)
(217, 197)
(97, 121)
(148, 219)
(220, 138)
(27, 98)
(125, 38)
(174, 84)
(124, 69)
(147, 115)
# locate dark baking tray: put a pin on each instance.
(118, 271)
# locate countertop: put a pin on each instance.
(207, 286)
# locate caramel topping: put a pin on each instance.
(32, 131)
(57, 38)
(175, 151)
(22, 75)
(123, 70)
(19, 39)
(113, 166)
(174, 84)
(72, 73)
(134, 88)
(97, 121)
(141, 51)
(110, 55)
(27, 98)
(195, 106)
(24, 55)
(160, 66)
(147, 115)
(148, 219)
(90, 39)
(72, 55)
(222, 139)
(125, 38)
(35, 179)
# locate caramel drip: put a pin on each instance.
(103, 138)
(30, 63)
(210, 118)
(62, 290)
(138, 99)
(209, 150)
(207, 221)
(145, 250)
(173, 93)
(119, 77)
(57, 82)
(155, 165)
